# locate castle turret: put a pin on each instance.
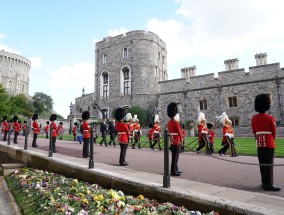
(261, 59)
(231, 64)
(188, 72)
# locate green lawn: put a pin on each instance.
(244, 145)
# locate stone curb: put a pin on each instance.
(12, 203)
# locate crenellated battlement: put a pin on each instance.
(14, 58)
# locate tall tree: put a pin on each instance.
(42, 102)
(20, 105)
(4, 102)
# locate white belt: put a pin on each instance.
(204, 132)
(263, 132)
(86, 130)
(173, 134)
(121, 132)
(156, 132)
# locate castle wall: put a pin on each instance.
(14, 73)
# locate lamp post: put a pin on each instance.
(70, 117)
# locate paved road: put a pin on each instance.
(200, 168)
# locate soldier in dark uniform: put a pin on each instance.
(74, 130)
(17, 128)
(175, 134)
(54, 130)
(112, 132)
(123, 135)
(86, 133)
(104, 132)
(264, 129)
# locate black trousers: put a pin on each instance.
(24, 132)
(16, 137)
(229, 144)
(34, 140)
(5, 136)
(74, 134)
(123, 148)
(103, 138)
(175, 157)
(112, 138)
(46, 135)
(204, 142)
(157, 140)
(266, 156)
(86, 144)
(53, 141)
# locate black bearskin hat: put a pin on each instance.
(150, 125)
(47, 122)
(209, 125)
(86, 115)
(25, 121)
(119, 114)
(4, 118)
(75, 123)
(15, 118)
(61, 123)
(172, 110)
(35, 117)
(262, 103)
(53, 117)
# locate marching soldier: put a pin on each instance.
(24, 128)
(129, 120)
(150, 134)
(202, 134)
(36, 129)
(60, 130)
(157, 130)
(228, 136)
(46, 129)
(112, 132)
(175, 134)
(123, 135)
(136, 131)
(264, 129)
(86, 133)
(211, 135)
(74, 130)
(5, 127)
(54, 130)
(17, 128)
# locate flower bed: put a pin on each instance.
(41, 192)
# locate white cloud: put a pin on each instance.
(67, 83)
(2, 36)
(36, 62)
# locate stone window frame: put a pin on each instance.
(203, 104)
(124, 80)
(235, 121)
(104, 82)
(232, 101)
(125, 53)
(104, 113)
(104, 58)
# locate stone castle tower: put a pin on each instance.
(128, 69)
(14, 73)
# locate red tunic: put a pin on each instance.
(202, 128)
(264, 128)
(123, 132)
(86, 130)
(54, 128)
(5, 126)
(211, 136)
(17, 126)
(24, 127)
(36, 127)
(74, 129)
(227, 129)
(174, 132)
(46, 128)
(150, 133)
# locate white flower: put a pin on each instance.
(120, 204)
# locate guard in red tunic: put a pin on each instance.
(54, 130)
(60, 130)
(150, 134)
(157, 129)
(74, 130)
(211, 135)
(264, 129)
(5, 127)
(17, 128)
(175, 134)
(228, 136)
(36, 129)
(136, 131)
(123, 135)
(86, 133)
(46, 129)
(203, 138)
(24, 128)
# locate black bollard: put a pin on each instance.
(26, 138)
(50, 143)
(91, 160)
(9, 136)
(166, 178)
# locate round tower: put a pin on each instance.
(128, 69)
(14, 73)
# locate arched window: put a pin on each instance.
(126, 81)
(104, 85)
(125, 53)
(104, 58)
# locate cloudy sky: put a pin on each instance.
(59, 36)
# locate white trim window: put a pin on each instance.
(125, 81)
(104, 85)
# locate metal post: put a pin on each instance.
(91, 160)
(166, 178)
(9, 135)
(26, 138)
(50, 141)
